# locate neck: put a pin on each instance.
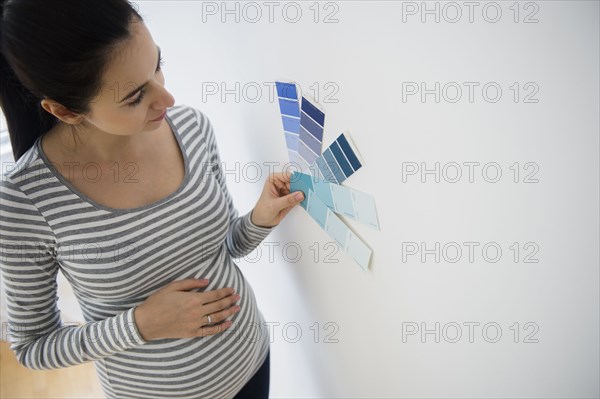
(94, 144)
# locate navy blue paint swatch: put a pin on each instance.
(313, 112)
(345, 146)
(341, 160)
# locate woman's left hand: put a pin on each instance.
(275, 200)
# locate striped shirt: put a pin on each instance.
(114, 259)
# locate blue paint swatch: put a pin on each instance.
(286, 90)
(311, 110)
(334, 167)
(348, 152)
(342, 200)
(290, 115)
(345, 238)
(338, 162)
(317, 209)
(301, 182)
(312, 121)
(339, 199)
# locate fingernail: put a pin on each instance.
(298, 195)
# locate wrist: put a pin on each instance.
(140, 321)
(257, 223)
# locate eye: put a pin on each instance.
(161, 62)
(139, 98)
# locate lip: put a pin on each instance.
(160, 117)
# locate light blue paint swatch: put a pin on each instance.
(323, 191)
(301, 182)
(337, 230)
(330, 222)
(364, 206)
(343, 200)
(359, 251)
(317, 209)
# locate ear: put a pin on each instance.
(61, 112)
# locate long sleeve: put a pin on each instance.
(29, 268)
(243, 235)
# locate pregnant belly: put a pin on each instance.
(210, 366)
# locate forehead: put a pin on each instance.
(132, 62)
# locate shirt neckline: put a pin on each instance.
(84, 197)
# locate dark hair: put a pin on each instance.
(58, 50)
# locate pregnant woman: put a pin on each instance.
(124, 193)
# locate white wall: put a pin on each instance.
(367, 55)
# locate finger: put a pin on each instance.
(283, 190)
(277, 190)
(187, 284)
(279, 183)
(219, 305)
(282, 177)
(218, 317)
(274, 177)
(284, 212)
(214, 329)
(289, 200)
(213, 296)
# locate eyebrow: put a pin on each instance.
(140, 87)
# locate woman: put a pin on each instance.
(124, 193)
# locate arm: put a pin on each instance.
(243, 235)
(28, 268)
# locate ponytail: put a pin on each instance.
(25, 118)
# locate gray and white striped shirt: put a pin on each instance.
(114, 259)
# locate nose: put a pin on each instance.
(164, 99)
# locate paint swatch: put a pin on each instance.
(348, 202)
(322, 173)
(338, 162)
(312, 121)
(336, 229)
(345, 201)
(290, 116)
(321, 199)
(302, 182)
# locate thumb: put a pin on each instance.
(289, 200)
(187, 284)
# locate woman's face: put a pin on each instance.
(133, 90)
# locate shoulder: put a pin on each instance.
(190, 120)
(23, 172)
(185, 113)
(18, 209)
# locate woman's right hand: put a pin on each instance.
(173, 312)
